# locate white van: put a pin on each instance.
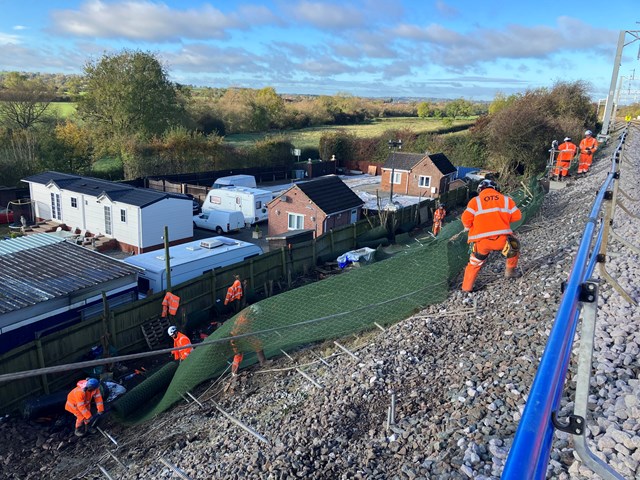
(221, 221)
(252, 202)
(235, 181)
(189, 260)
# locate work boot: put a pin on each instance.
(80, 432)
(511, 273)
(261, 358)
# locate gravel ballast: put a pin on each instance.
(460, 372)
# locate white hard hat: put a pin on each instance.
(588, 132)
(172, 330)
(567, 139)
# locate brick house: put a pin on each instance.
(417, 174)
(318, 205)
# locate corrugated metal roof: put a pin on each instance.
(118, 192)
(42, 267)
(14, 245)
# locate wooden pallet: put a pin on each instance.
(155, 332)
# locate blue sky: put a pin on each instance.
(377, 48)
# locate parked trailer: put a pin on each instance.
(252, 202)
(235, 181)
(189, 260)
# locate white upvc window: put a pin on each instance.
(424, 181)
(123, 215)
(296, 221)
(396, 178)
(74, 202)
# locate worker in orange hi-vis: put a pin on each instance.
(567, 151)
(170, 304)
(438, 218)
(79, 403)
(245, 323)
(588, 146)
(179, 340)
(234, 293)
(488, 219)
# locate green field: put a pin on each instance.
(310, 137)
(62, 109)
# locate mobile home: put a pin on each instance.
(189, 260)
(252, 202)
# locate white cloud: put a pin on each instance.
(151, 21)
(326, 15)
(457, 50)
(20, 27)
(7, 38)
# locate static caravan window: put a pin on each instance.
(123, 216)
(74, 202)
(424, 181)
(296, 221)
(397, 178)
(258, 204)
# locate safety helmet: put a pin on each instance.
(92, 384)
(486, 183)
(588, 132)
(442, 205)
(567, 139)
(172, 330)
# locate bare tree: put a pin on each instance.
(23, 101)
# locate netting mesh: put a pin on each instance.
(383, 292)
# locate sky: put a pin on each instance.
(468, 49)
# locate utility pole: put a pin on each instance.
(608, 109)
(167, 258)
(394, 145)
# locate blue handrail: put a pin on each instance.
(529, 454)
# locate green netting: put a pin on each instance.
(384, 292)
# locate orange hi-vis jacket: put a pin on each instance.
(490, 214)
(590, 143)
(439, 215)
(181, 340)
(79, 402)
(170, 302)
(234, 292)
(567, 151)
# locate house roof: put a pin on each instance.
(406, 161)
(29, 275)
(330, 194)
(116, 192)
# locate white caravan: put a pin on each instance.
(189, 260)
(252, 202)
(235, 181)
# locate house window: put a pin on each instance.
(296, 221)
(74, 202)
(424, 181)
(107, 220)
(396, 178)
(123, 216)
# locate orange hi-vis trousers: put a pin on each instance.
(479, 254)
(585, 162)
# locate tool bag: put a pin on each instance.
(511, 247)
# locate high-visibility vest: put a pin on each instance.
(490, 214)
(567, 152)
(79, 401)
(590, 143)
(170, 302)
(181, 340)
(439, 215)
(234, 292)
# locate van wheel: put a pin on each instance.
(219, 230)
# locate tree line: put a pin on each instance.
(129, 110)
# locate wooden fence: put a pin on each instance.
(200, 299)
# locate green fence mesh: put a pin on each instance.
(383, 292)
